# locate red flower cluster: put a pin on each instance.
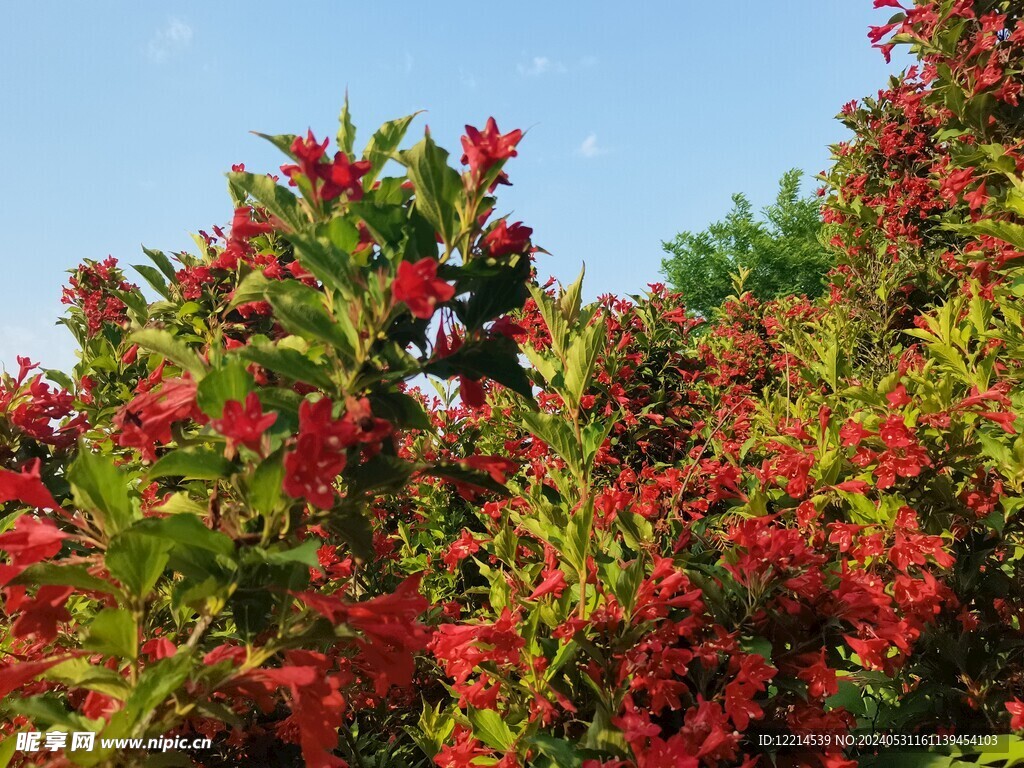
(328, 179)
(321, 449)
(93, 289)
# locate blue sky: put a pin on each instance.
(119, 120)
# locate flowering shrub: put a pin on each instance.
(607, 541)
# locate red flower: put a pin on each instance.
(472, 392)
(319, 455)
(419, 287)
(146, 421)
(503, 239)
(461, 750)
(482, 149)
(31, 540)
(390, 627)
(26, 487)
(318, 707)
(159, 648)
(853, 486)
(243, 227)
(1016, 710)
(328, 180)
(16, 675)
(244, 425)
(309, 153)
(898, 397)
(553, 584)
(342, 177)
(40, 615)
(977, 198)
(820, 678)
(461, 548)
(365, 427)
(309, 472)
(497, 467)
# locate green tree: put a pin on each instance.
(781, 249)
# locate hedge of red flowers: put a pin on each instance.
(615, 535)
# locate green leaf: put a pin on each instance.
(283, 141)
(188, 531)
(571, 299)
(400, 409)
(113, 633)
(305, 554)
(61, 379)
(323, 258)
(554, 431)
(495, 359)
(166, 345)
(562, 753)
(437, 185)
(100, 486)
(162, 262)
(272, 196)
(577, 541)
(354, 527)
(346, 131)
(76, 576)
(157, 682)
(154, 278)
(265, 493)
(490, 728)
(382, 146)
(582, 358)
(253, 287)
(288, 362)
(80, 673)
(604, 736)
(229, 382)
(301, 310)
(198, 462)
(1001, 230)
(461, 474)
(137, 560)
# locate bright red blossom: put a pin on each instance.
(419, 287)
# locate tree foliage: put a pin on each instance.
(780, 250)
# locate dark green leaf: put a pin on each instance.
(166, 345)
(490, 728)
(162, 262)
(437, 185)
(113, 633)
(495, 359)
(199, 462)
(383, 145)
(301, 310)
(288, 362)
(229, 382)
(98, 485)
(272, 196)
(137, 560)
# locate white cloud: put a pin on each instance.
(540, 65)
(590, 147)
(173, 37)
